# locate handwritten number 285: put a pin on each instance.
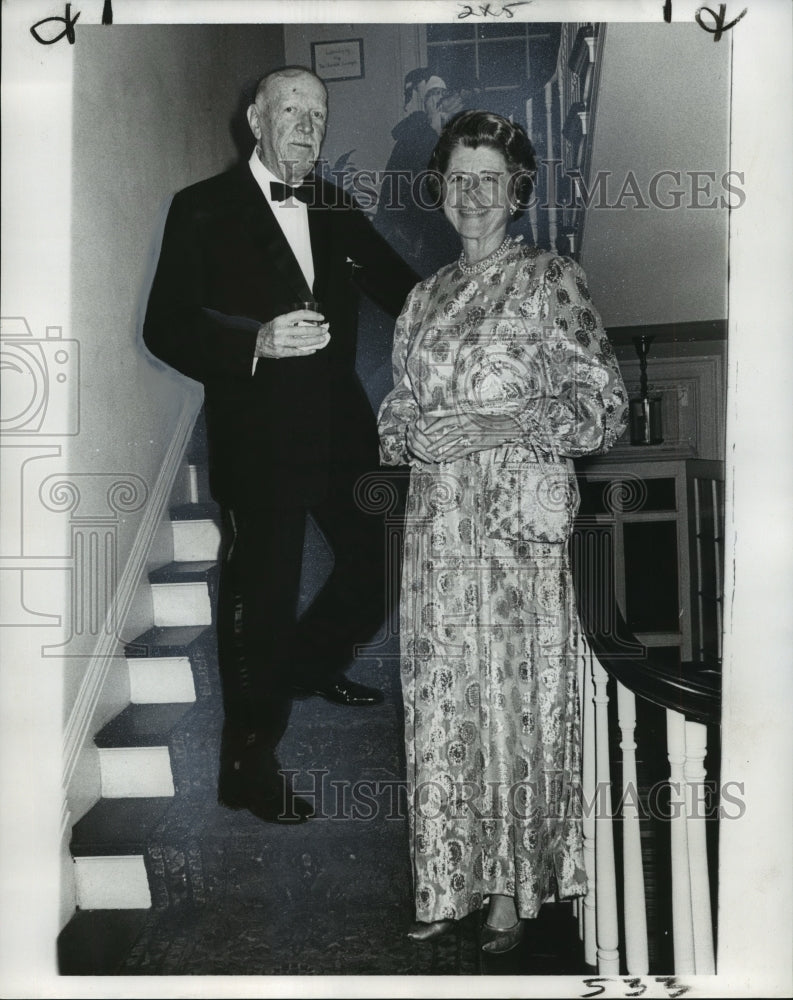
(488, 10)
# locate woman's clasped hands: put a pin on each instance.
(436, 438)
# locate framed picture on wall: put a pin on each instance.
(342, 60)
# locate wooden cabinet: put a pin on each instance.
(668, 557)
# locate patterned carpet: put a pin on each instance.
(235, 896)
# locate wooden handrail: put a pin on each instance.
(691, 688)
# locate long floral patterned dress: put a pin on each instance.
(488, 625)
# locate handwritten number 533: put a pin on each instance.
(634, 987)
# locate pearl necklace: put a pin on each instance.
(486, 262)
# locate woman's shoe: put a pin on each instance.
(430, 932)
(498, 940)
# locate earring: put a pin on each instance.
(513, 209)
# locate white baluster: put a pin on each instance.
(607, 927)
(636, 955)
(696, 736)
(589, 909)
(682, 922)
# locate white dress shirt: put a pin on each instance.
(292, 217)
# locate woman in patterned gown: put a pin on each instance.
(502, 375)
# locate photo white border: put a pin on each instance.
(755, 927)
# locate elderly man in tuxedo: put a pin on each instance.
(255, 296)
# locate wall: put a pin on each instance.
(133, 146)
(102, 133)
(361, 112)
(361, 115)
(663, 104)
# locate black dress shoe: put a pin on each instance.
(343, 691)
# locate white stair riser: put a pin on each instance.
(160, 680)
(135, 772)
(195, 541)
(181, 604)
(112, 883)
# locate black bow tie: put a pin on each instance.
(280, 192)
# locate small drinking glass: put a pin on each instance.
(314, 306)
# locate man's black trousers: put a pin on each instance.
(264, 652)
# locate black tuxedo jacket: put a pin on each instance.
(285, 434)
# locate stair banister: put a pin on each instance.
(691, 697)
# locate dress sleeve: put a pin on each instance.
(580, 407)
(400, 407)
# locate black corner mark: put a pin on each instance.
(719, 27)
(68, 23)
(68, 27)
(718, 20)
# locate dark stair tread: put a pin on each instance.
(202, 511)
(166, 640)
(118, 826)
(182, 572)
(97, 942)
(142, 725)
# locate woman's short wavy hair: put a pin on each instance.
(485, 128)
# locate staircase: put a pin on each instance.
(133, 851)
